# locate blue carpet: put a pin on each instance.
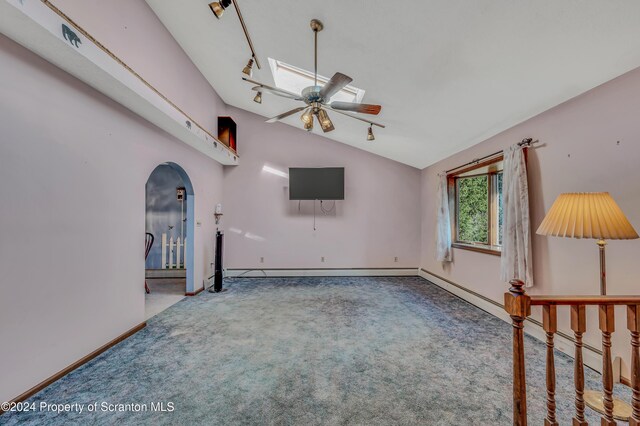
(312, 351)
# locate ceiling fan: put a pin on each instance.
(317, 99)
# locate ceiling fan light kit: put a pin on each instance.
(307, 116)
(308, 125)
(317, 98)
(325, 121)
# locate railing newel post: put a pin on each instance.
(518, 304)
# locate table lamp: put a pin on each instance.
(590, 215)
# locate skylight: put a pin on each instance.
(294, 79)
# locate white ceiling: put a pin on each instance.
(448, 73)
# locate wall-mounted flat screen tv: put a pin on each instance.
(325, 183)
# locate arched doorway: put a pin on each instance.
(169, 216)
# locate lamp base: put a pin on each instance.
(594, 400)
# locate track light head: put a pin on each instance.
(248, 70)
(325, 121)
(218, 7)
(258, 98)
(370, 136)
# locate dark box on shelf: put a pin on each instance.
(227, 132)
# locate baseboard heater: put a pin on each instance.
(564, 342)
(320, 272)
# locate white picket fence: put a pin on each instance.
(174, 253)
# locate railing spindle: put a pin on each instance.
(633, 324)
(518, 304)
(550, 325)
(579, 326)
(607, 326)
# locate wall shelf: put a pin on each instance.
(41, 28)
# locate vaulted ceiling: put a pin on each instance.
(448, 73)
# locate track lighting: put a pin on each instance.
(258, 98)
(307, 117)
(325, 121)
(370, 136)
(248, 70)
(218, 7)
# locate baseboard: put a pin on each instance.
(194, 293)
(37, 388)
(165, 273)
(563, 342)
(322, 272)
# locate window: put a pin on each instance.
(473, 209)
(476, 195)
(294, 79)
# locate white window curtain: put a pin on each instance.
(516, 237)
(443, 228)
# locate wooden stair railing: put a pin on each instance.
(518, 304)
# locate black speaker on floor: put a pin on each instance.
(217, 275)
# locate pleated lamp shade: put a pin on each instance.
(586, 215)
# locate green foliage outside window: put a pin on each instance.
(473, 209)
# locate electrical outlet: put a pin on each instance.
(322, 259)
(395, 259)
(262, 260)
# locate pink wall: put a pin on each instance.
(133, 32)
(377, 221)
(579, 151)
(77, 163)
(74, 166)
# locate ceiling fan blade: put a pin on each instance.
(285, 114)
(355, 107)
(333, 86)
(273, 90)
(264, 89)
(373, 123)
